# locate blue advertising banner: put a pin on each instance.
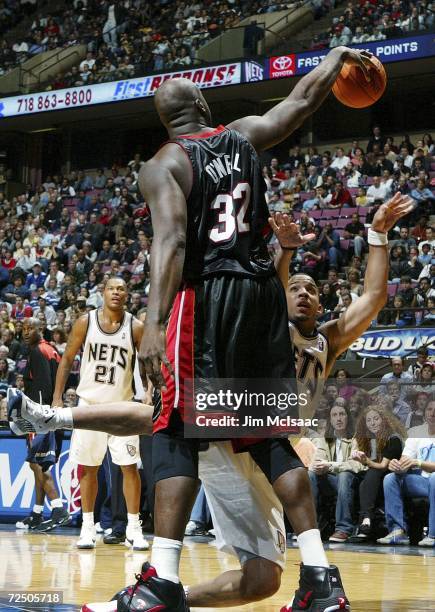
(394, 342)
(387, 51)
(17, 481)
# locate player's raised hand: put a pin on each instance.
(152, 354)
(389, 213)
(287, 232)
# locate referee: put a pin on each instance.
(43, 449)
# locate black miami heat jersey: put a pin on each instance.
(227, 214)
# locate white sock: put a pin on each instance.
(88, 519)
(38, 509)
(311, 548)
(56, 503)
(133, 519)
(165, 557)
(64, 418)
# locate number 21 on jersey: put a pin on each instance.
(231, 217)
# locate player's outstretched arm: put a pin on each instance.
(284, 118)
(164, 183)
(75, 341)
(357, 318)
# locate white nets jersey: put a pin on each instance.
(108, 362)
(311, 354)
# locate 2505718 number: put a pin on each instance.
(105, 374)
(233, 208)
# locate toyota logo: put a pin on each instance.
(282, 63)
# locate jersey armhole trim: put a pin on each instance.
(131, 334)
(186, 152)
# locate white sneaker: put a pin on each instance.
(190, 528)
(88, 537)
(427, 541)
(134, 537)
(98, 528)
(26, 416)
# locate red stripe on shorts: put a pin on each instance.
(180, 352)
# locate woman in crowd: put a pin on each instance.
(418, 405)
(354, 278)
(379, 438)
(328, 298)
(345, 387)
(425, 378)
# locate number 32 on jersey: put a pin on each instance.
(232, 213)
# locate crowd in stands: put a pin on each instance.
(368, 20)
(131, 38)
(335, 194)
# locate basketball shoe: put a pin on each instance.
(134, 537)
(149, 593)
(26, 416)
(320, 590)
(88, 537)
(31, 522)
(59, 517)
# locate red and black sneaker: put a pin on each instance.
(149, 594)
(320, 590)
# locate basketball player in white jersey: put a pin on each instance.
(110, 338)
(247, 515)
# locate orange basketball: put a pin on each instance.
(352, 89)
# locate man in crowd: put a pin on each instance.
(413, 475)
(398, 375)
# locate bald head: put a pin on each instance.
(179, 102)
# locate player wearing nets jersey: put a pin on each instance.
(206, 195)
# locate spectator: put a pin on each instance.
(422, 357)
(355, 231)
(340, 197)
(430, 239)
(397, 375)
(400, 408)
(377, 139)
(329, 241)
(36, 278)
(333, 472)
(418, 406)
(378, 191)
(412, 476)
(423, 292)
(344, 384)
(405, 241)
(422, 193)
(379, 439)
(340, 160)
(425, 378)
(20, 310)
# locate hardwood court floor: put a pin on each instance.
(386, 581)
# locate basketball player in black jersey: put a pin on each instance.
(229, 317)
